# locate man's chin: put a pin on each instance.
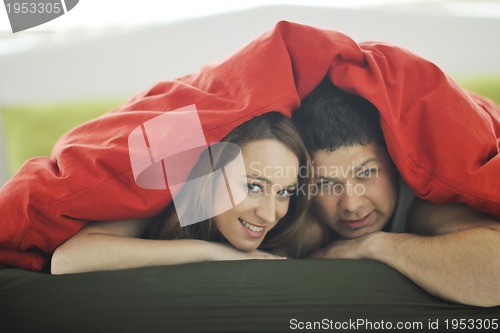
(352, 234)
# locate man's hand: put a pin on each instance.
(346, 248)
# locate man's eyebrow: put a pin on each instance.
(356, 168)
(334, 179)
(362, 165)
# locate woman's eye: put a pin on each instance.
(254, 188)
(286, 193)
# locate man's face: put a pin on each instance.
(356, 189)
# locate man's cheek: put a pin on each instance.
(322, 207)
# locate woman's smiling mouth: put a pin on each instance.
(252, 230)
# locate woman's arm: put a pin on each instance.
(114, 245)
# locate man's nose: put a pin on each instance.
(350, 200)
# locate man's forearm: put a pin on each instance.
(462, 267)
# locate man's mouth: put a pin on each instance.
(359, 223)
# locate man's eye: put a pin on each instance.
(366, 173)
(326, 183)
(254, 188)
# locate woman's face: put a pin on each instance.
(270, 179)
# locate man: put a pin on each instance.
(365, 210)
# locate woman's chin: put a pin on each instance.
(247, 247)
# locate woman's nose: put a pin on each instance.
(266, 209)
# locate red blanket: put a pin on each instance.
(444, 141)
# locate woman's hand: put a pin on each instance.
(227, 252)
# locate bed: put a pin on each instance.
(239, 296)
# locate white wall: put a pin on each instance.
(121, 63)
(96, 66)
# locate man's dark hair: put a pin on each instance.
(330, 118)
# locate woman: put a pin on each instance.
(264, 220)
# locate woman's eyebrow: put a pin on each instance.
(265, 180)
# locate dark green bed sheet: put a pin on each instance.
(232, 296)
